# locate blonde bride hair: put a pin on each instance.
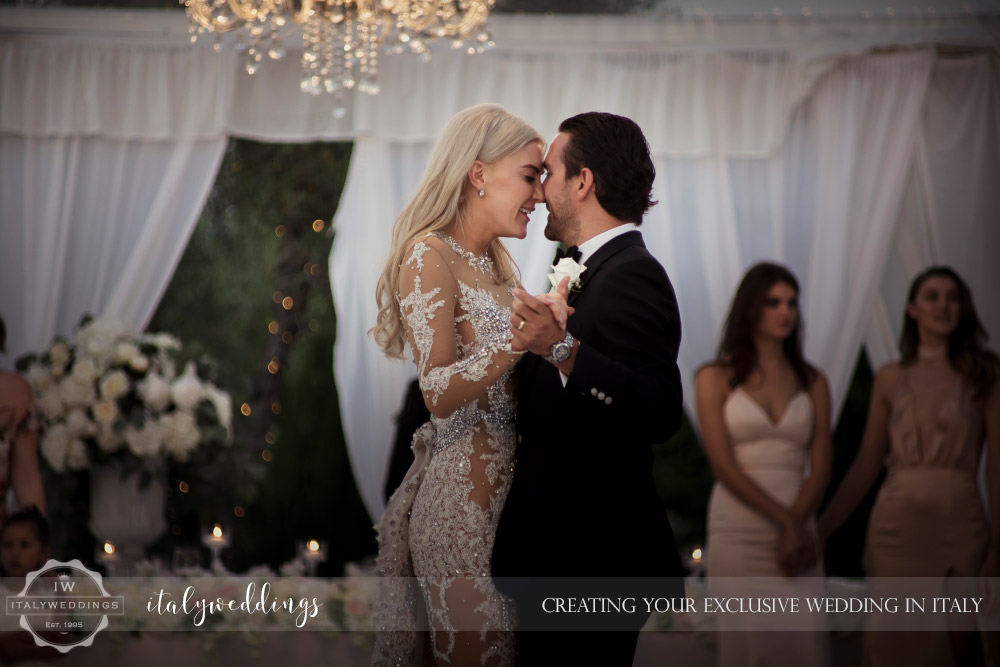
(485, 132)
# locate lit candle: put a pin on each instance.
(695, 560)
(314, 553)
(217, 537)
(108, 556)
(216, 541)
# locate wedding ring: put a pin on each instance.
(521, 325)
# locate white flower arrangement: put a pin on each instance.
(111, 394)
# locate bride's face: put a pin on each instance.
(513, 188)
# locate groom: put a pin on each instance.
(583, 537)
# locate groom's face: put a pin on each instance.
(562, 223)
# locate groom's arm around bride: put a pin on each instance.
(591, 403)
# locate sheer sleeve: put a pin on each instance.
(451, 373)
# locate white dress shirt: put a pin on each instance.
(592, 245)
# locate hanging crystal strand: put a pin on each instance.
(348, 79)
(332, 55)
(372, 46)
(255, 52)
(485, 40)
(362, 53)
(337, 72)
(277, 50)
(310, 41)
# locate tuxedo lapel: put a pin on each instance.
(602, 254)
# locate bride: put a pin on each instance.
(446, 290)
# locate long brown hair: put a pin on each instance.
(738, 349)
(967, 350)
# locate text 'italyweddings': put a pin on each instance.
(303, 608)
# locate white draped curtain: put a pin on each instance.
(94, 225)
(949, 210)
(821, 198)
(799, 142)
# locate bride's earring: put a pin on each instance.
(482, 192)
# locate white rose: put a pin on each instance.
(54, 443)
(76, 455)
(80, 424)
(98, 337)
(139, 363)
(182, 435)
(223, 405)
(74, 391)
(105, 412)
(567, 266)
(39, 377)
(59, 353)
(50, 404)
(113, 384)
(164, 341)
(124, 352)
(187, 390)
(146, 441)
(85, 369)
(110, 440)
(155, 392)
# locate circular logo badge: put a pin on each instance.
(64, 605)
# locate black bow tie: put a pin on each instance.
(572, 252)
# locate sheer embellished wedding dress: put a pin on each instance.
(440, 525)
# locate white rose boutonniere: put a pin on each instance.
(567, 266)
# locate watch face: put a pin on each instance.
(561, 352)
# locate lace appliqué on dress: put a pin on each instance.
(440, 525)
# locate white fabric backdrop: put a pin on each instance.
(93, 225)
(768, 145)
(949, 211)
(825, 203)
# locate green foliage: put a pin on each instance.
(684, 482)
(255, 246)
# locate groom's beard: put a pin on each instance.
(559, 228)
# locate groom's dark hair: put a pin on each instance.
(616, 152)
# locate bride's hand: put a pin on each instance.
(556, 301)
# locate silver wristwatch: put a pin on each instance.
(560, 351)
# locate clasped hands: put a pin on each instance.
(539, 322)
(798, 547)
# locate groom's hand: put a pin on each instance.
(533, 323)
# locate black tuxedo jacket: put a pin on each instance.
(582, 502)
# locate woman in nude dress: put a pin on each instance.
(764, 414)
(929, 416)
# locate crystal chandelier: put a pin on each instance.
(342, 38)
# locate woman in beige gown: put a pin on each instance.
(764, 414)
(446, 292)
(929, 416)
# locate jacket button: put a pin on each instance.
(593, 391)
(607, 401)
(600, 396)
